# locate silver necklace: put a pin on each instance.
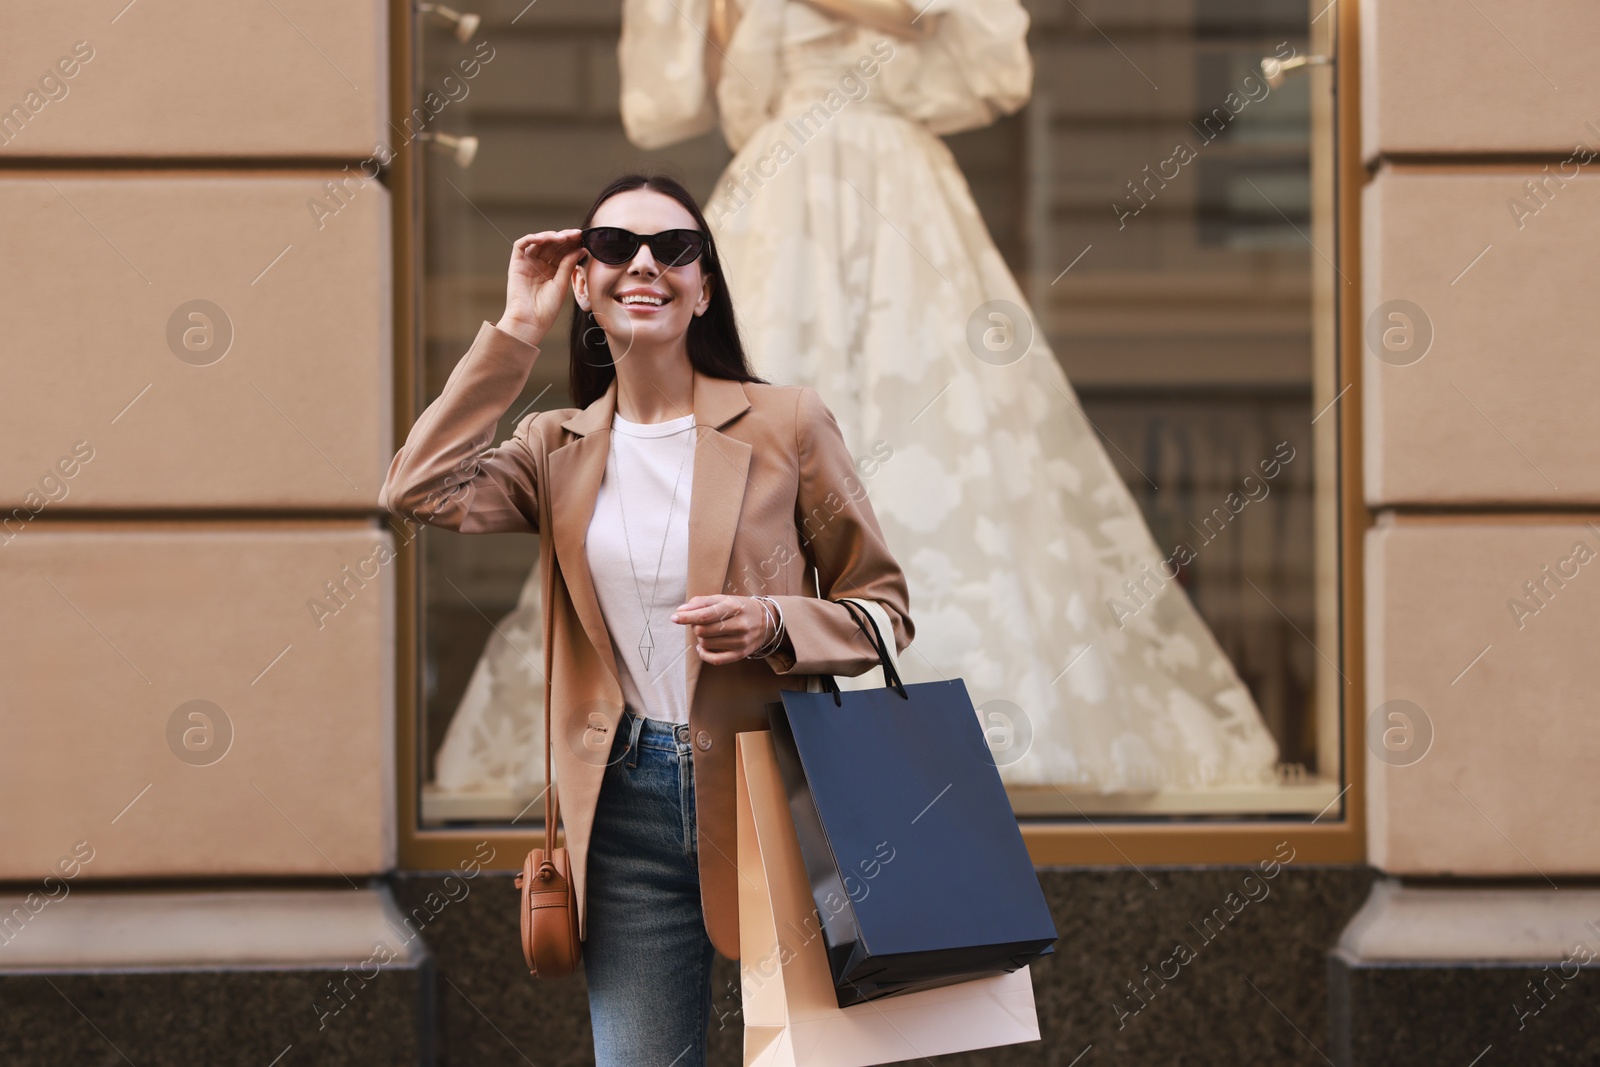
(646, 642)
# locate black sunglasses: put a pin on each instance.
(671, 248)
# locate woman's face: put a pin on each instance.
(685, 290)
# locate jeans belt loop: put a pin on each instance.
(635, 724)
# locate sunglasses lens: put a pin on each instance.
(616, 246)
(610, 245)
(674, 248)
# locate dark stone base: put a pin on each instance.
(217, 1018)
(1223, 1007)
(1254, 991)
(1452, 1013)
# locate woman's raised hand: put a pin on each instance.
(538, 280)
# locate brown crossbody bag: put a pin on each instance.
(549, 899)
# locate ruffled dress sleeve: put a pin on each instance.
(665, 98)
(973, 70)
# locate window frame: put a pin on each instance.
(1338, 836)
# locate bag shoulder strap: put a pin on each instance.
(552, 808)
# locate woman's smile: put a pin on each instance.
(643, 301)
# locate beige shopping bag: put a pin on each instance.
(791, 1016)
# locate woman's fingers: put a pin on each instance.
(553, 250)
(564, 268)
(562, 239)
(718, 658)
(712, 614)
(548, 235)
(546, 250)
(703, 609)
(732, 634)
(551, 291)
(723, 627)
(537, 260)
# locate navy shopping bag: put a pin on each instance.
(917, 866)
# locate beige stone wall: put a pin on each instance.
(1484, 394)
(1493, 685)
(1482, 128)
(286, 80)
(176, 705)
(1497, 77)
(271, 397)
(198, 643)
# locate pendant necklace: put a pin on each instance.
(647, 643)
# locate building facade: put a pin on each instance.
(246, 246)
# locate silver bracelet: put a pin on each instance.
(776, 641)
(766, 615)
(771, 644)
(779, 634)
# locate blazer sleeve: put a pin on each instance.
(446, 474)
(839, 535)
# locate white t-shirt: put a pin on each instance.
(653, 457)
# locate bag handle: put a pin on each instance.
(869, 626)
(885, 627)
(863, 615)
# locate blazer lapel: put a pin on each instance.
(576, 469)
(721, 466)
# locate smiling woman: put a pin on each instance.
(678, 474)
(661, 209)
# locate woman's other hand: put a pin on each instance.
(537, 282)
(726, 628)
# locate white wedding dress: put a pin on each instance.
(858, 264)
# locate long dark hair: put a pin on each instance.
(713, 337)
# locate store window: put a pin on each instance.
(1164, 202)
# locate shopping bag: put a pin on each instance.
(916, 864)
(791, 1014)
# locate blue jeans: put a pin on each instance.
(647, 956)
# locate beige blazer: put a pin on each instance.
(775, 493)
